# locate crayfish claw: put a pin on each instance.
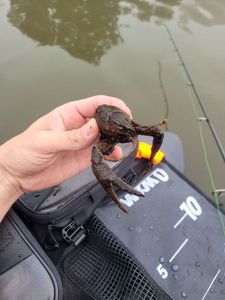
(118, 182)
(114, 197)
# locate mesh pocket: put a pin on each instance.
(103, 269)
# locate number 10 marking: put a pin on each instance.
(191, 208)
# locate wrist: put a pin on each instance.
(9, 192)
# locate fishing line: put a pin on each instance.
(164, 94)
(193, 96)
(205, 154)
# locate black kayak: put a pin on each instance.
(71, 242)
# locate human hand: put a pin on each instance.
(54, 148)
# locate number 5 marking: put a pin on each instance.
(162, 271)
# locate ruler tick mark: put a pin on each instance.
(214, 278)
(178, 250)
(179, 221)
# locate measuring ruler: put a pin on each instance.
(174, 233)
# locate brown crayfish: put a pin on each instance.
(116, 127)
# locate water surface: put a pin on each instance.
(53, 51)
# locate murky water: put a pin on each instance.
(55, 51)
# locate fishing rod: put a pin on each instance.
(191, 84)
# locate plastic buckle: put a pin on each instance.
(74, 234)
(130, 176)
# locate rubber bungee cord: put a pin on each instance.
(193, 96)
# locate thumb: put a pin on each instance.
(76, 139)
